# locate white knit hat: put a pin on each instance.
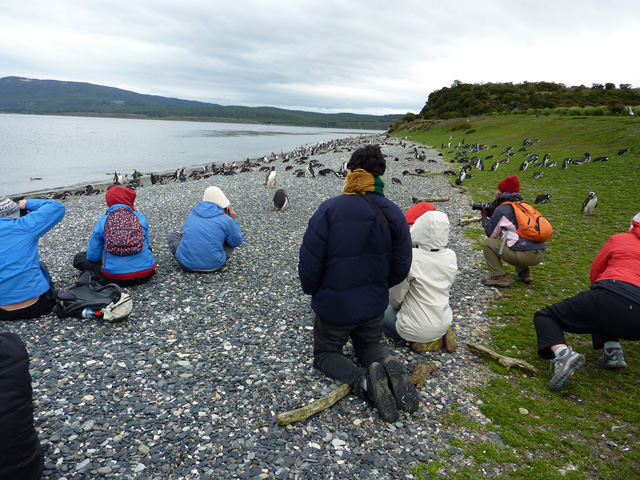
(635, 219)
(9, 208)
(215, 195)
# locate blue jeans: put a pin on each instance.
(389, 323)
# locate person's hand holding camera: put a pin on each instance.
(229, 211)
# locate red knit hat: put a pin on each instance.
(120, 195)
(417, 210)
(510, 185)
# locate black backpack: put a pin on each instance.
(110, 300)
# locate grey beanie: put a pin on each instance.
(635, 219)
(9, 208)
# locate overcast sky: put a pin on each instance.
(328, 55)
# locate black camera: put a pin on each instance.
(482, 206)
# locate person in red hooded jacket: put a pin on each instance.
(609, 311)
(110, 268)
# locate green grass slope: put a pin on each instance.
(590, 429)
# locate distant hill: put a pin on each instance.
(53, 97)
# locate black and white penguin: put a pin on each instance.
(523, 166)
(271, 177)
(543, 198)
(396, 181)
(623, 151)
(566, 162)
(590, 203)
(310, 170)
(537, 175)
(89, 189)
(117, 179)
(280, 200)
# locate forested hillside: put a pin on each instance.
(52, 97)
(465, 99)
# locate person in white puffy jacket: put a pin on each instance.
(419, 311)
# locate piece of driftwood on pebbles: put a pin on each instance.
(464, 221)
(503, 360)
(418, 377)
(429, 199)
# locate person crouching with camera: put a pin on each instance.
(503, 243)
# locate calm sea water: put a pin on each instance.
(40, 153)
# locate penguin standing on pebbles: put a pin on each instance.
(590, 204)
(271, 178)
(280, 200)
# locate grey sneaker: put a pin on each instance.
(565, 366)
(612, 359)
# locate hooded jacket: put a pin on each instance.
(21, 276)
(349, 259)
(619, 261)
(130, 267)
(503, 221)
(205, 232)
(423, 297)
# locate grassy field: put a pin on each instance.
(589, 430)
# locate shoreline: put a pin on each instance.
(190, 385)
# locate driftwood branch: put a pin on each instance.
(506, 362)
(314, 407)
(429, 199)
(418, 377)
(464, 221)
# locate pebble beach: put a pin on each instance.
(189, 386)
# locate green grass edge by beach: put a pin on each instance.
(589, 430)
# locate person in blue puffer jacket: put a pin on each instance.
(357, 245)
(26, 289)
(110, 268)
(210, 234)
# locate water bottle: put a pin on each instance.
(91, 313)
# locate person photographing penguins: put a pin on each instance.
(503, 242)
(26, 288)
(210, 234)
(357, 245)
(608, 310)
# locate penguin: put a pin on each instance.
(590, 203)
(117, 179)
(537, 175)
(543, 198)
(271, 178)
(461, 176)
(88, 190)
(182, 176)
(523, 166)
(420, 171)
(623, 151)
(396, 181)
(566, 162)
(280, 200)
(310, 170)
(601, 159)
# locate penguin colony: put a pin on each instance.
(462, 152)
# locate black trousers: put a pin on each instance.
(329, 341)
(604, 314)
(81, 262)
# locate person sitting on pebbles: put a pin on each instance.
(26, 288)
(513, 249)
(210, 234)
(118, 251)
(419, 312)
(356, 246)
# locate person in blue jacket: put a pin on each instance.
(357, 245)
(210, 234)
(108, 267)
(26, 289)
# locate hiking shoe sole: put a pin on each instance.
(560, 379)
(404, 391)
(380, 393)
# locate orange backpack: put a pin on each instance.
(531, 224)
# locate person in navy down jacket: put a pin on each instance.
(352, 252)
(21, 456)
(210, 234)
(110, 268)
(609, 310)
(26, 289)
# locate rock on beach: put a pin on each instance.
(189, 386)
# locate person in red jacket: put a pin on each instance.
(609, 311)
